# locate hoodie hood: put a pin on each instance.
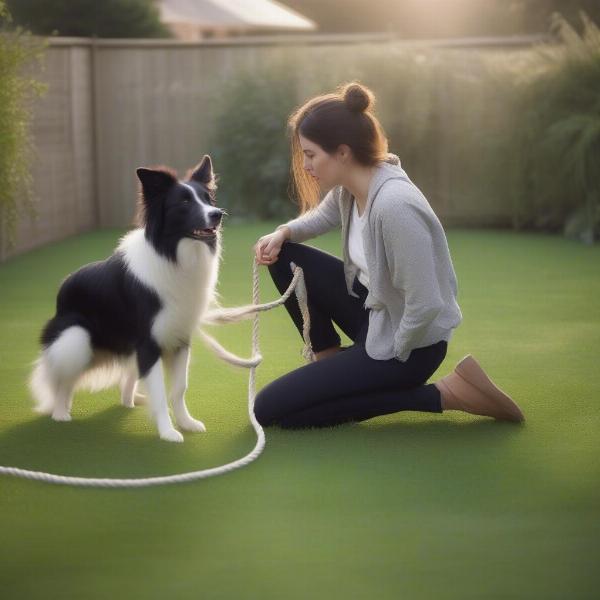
(389, 168)
(392, 159)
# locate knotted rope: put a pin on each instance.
(297, 284)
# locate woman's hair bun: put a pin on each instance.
(357, 97)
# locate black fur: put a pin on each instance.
(104, 298)
(115, 308)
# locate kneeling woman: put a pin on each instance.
(393, 294)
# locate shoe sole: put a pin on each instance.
(470, 370)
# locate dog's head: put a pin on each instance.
(172, 210)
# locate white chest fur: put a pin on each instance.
(185, 288)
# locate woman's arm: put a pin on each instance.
(409, 253)
(286, 231)
(321, 219)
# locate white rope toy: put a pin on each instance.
(297, 284)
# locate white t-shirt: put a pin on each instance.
(356, 249)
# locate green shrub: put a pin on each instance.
(438, 108)
(490, 135)
(250, 143)
(85, 18)
(17, 89)
(560, 133)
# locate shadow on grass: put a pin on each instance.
(113, 443)
(453, 427)
(433, 462)
(432, 440)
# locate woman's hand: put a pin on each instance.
(268, 246)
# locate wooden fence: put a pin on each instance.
(114, 105)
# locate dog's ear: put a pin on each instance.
(155, 182)
(203, 172)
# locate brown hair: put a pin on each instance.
(341, 117)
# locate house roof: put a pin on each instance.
(234, 14)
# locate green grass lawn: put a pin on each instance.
(411, 505)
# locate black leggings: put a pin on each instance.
(350, 385)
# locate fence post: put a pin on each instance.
(94, 129)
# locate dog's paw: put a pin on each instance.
(137, 400)
(61, 416)
(171, 435)
(191, 425)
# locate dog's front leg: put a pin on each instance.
(179, 375)
(150, 368)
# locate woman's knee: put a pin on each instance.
(262, 409)
(288, 248)
(281, 269)
(283, 259)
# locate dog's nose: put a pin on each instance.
(215, 217)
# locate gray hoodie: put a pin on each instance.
(412, 283)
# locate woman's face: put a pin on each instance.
(326, 168)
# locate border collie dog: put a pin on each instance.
(119, 320)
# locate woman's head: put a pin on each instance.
(330, 134)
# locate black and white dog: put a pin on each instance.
(118, 320)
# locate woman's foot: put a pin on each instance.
(469, 389)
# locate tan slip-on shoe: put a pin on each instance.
(469, 389)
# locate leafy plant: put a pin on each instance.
(250, 142)
(557, 138)
(108, 18)
(18, 50)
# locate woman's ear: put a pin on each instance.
(344, 153)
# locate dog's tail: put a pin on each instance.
(227, 356)
(221, 316)
(59, 366)
(41, 387)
